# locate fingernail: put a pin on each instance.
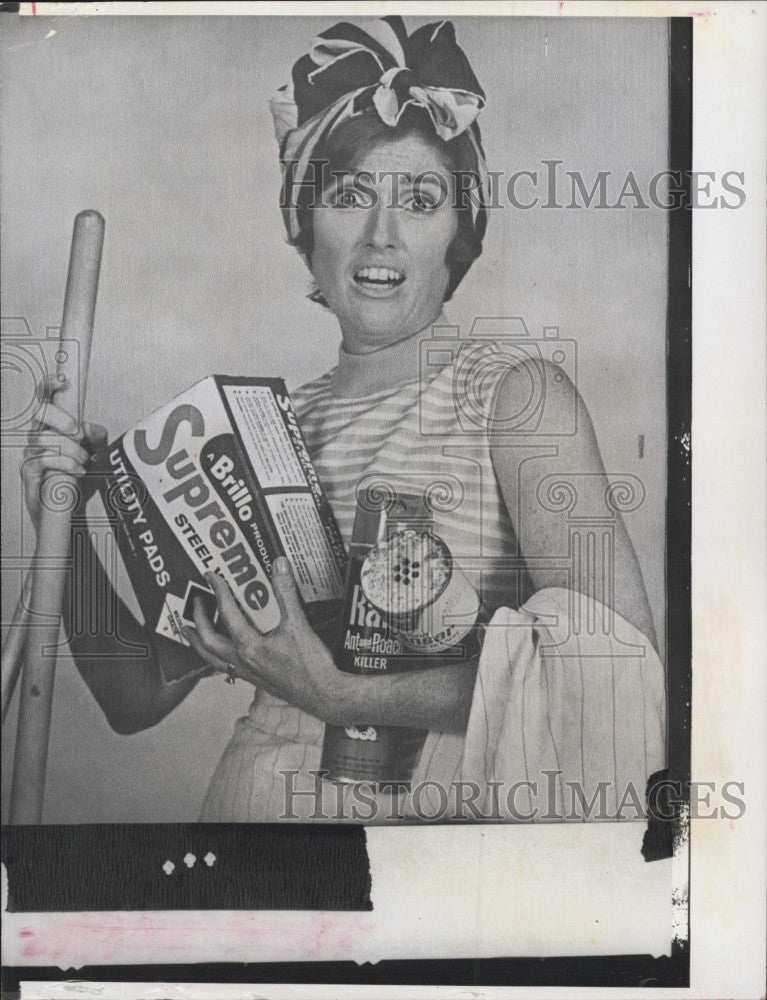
(281, 566)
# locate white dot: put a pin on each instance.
(209, 859)
(168, 867)
(189, 860)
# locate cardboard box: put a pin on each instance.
(220, 479)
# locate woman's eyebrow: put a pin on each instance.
(338, 180)
(432, 183)
(340, 177)
(430, 178)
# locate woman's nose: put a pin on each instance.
(381, 226)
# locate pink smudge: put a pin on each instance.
(702, 13)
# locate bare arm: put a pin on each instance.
(541, 486)
(437, 698)
(116, 656)
(293, 663)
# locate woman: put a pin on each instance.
(378, 138)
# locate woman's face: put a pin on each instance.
(380, 242)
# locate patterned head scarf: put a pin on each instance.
(350, 70)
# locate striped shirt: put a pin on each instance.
(412, 437)
(419, 438)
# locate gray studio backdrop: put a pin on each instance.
(162, 124)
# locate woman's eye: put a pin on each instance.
(348, 198)
(419, 202)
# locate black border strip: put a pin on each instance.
(614, 970)
(679, 435)
(660, 835)
(679, 408)
(234, 866)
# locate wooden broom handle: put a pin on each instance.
(49, 568)
(14, 638)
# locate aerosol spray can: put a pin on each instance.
(407, 607)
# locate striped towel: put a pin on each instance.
(567, 725)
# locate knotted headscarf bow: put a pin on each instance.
(349, 70)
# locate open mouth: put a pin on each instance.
(378, 277)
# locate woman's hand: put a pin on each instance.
(56, 444)
(291, 662)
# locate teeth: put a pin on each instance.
(380, 274)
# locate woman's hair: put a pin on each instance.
(342, 150)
